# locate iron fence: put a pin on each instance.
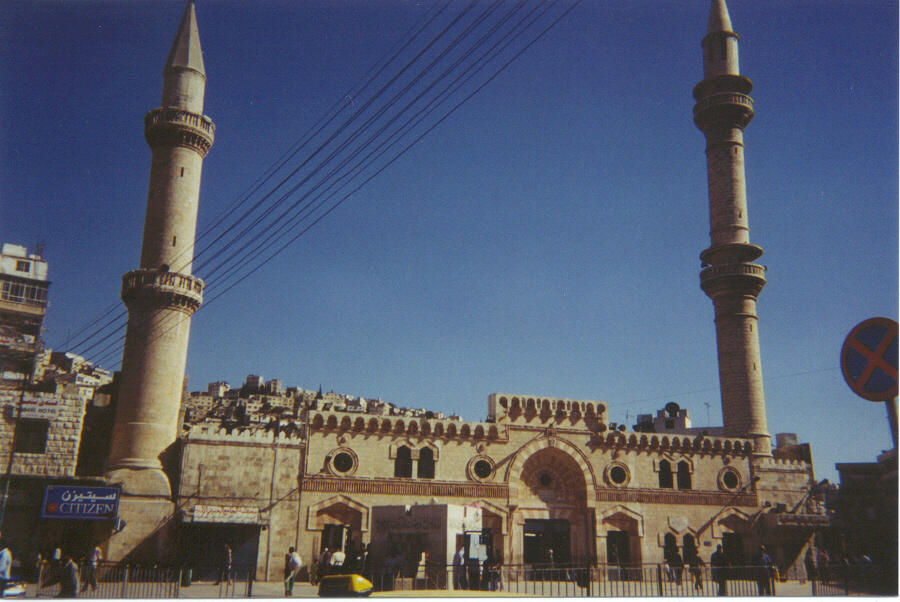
(110, 580)
(576, 580)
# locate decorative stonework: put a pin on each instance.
(480, 468)
(168, 127)
(405, 487)
(163, 290)
(668, 496)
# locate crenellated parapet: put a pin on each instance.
(782, 465)
(215, 433)
(171, 290)
(168, 127)
(341, 422)
(546, 411)
(655, 442)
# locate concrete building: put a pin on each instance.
(23, 303)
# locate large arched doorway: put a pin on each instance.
(551, 519)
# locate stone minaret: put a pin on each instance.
(729, 276)
(162, 295)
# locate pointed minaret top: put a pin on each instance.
(185, 52)
(718, 18)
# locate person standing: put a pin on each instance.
(459, 561)
(93, 562)
(324, 562)
(68, 583)
(337, 562)
(765, 572)
(5, 567)
(718, 562)
(293, 564)
(696, 568)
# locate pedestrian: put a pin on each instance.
(338, 558)
(5, 567)
(225, 565)
(93, 561)
(718, 562)
(293, 564)
(764, 572)
(809, 561)
(324, 562)
(459, 570)
(68, 582)
(696, 568)
(676, 564)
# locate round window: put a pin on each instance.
(343, 462)
(482, 469)
(618, 475)
(545, 479)
(730, 480)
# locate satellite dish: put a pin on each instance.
(672, 409)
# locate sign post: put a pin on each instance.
(869, 364)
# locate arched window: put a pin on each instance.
(684, 475)
(670, 546)
(665, 474)
(689, 547)
(425, 469)
(403, 463)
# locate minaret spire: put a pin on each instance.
(729, 276)
(162, 295)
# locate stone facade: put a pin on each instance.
(537, 459)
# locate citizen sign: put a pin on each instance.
(77, 502)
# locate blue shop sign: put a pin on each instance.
(81, 503)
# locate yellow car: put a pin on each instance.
(344, 586)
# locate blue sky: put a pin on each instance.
(542, 240)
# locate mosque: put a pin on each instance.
(548, 477)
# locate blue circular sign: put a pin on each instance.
(869, 359)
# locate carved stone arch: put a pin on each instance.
(318, 421)
(434, 449)
(665, 443)
(400, 426)
(514, 469)
(451, 430)
(345, 423)
(439, 429)
(503, 513)
(397, 444)
(493, 433)
(676, 443)
(332, 422)
(426, 428)
(465, 430)
(413, 428)
(632, 440)
(604, 517)
(386, 425)
(730, 520)
(359, 424)
(515, 403)
(479, 432)
(644, 442)
(717, 445)
(314, 513)
(373, 425)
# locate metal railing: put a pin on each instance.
(578, 579)
(117, 581)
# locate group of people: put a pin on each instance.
(762, 565)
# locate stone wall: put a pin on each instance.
(64, 415)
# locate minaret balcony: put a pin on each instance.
(160, 289)
(741, 278)
(166, 126)
(732, 109)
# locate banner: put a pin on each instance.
(225, 514)
(80, 503)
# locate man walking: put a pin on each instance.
(293, 564)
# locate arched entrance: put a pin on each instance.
(550, 515)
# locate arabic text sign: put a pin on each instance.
(39, 408)
(78, 502)
(204, 513)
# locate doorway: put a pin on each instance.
(546, 541)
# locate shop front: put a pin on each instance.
(210, 534)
